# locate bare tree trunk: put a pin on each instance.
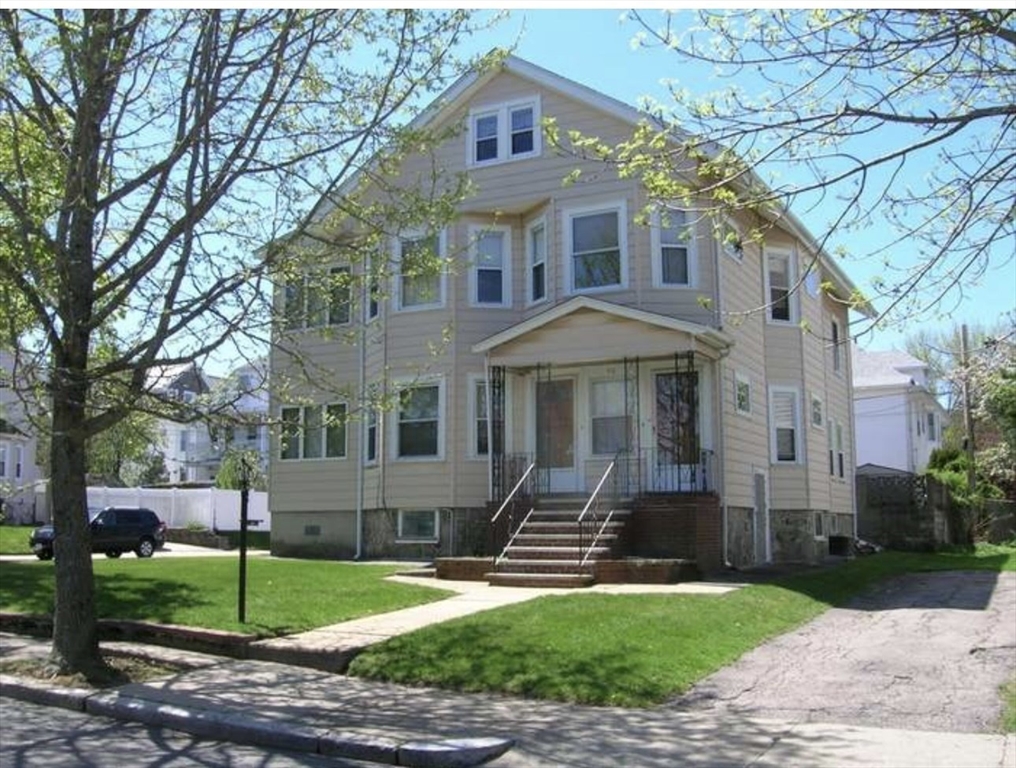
(75, 629)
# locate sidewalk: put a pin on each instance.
(282, 706)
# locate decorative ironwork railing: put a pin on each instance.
(506, 523)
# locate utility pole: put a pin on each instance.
(245, 478)
(968, 419)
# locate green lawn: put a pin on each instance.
(1008, 692)
(283, 596)
(635, 650)
(14, 539)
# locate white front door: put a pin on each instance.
(555, 434)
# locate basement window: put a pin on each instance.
(416, 525)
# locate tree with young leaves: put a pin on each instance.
(898, 122)
(185, 139)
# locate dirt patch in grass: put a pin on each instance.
(123, 668)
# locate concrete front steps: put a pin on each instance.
(545, 552)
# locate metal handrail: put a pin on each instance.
(500, 557)
(511, 495)
(510, 503)
(583, 549)
(599, 485)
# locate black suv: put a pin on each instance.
(115, 530)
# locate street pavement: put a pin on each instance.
(282, 706)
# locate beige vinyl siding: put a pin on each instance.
(746, 437)
(583, 335)
(784, 361)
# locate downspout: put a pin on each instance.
(490, 426)
(362, 388)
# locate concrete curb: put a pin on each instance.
(190, 715)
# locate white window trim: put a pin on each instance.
(795, 312)
(592, 416)
(507, 267)
(442, 418)
(400, 538)
(473, 380)
(530, 264)
(3, 461)
(503, 113)
(799, 451)
(324, 433)
(442, 247)
(741, 378)
(615, 206)
(690, 245)
(811, 412)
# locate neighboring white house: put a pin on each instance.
(897, 418)
(236, 406)
(18, 445)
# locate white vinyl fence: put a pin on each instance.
(213, 508)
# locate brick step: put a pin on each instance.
(568, 529)
(548, 526)
(533, 565)
(558, 554)
(543, 580)
(562, 539)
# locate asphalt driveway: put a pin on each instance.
(925, 651)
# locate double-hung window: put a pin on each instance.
(421, 272)
(673, 249)
(418, 428)
(536, 254)
(609, 421)
(490, 275)
(479, 443)
(317, 299)
(779, 280)
(595, 244)
(313, 432)
(785, 418)
(840, 458)
(370, 455)
(3, 461)
(504, 132)
(835, 341)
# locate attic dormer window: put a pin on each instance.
(504, 132)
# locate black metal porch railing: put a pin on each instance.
(653, 470)
(512, 514)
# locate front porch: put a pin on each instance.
(599, 416)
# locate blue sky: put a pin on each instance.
(593, 47)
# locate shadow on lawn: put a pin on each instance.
(29, 588)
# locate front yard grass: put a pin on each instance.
(283, 596)
(14, 539)
(633, 650)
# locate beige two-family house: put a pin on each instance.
(702, 382)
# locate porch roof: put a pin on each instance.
(585, 330)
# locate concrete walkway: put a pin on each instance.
(261, 701)
(341, 641)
